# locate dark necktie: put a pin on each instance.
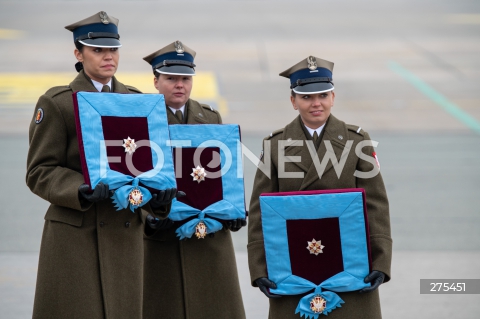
(106, 88)
(179, 116)
(315, 136)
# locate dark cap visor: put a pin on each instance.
(102, 42)
(313, 88)
(176, 70)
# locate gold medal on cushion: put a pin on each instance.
(315, 247)
(135, 197)
(318, 304)
(201, 230)
(129, 145)
(198, 174)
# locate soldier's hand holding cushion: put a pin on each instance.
(100, 192)
(159, 224)
(165, 197)
(264, 283)
(235, 224)
(160, 200)
(375, 278)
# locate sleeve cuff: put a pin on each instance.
(257, 261)
(381, 249)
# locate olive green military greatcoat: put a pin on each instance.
(356, 305)
(191, 278)
(91, 255)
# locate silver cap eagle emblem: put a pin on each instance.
(312, 63)
(104, 17)
(179, 47)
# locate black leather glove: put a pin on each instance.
(264, 283)
(235, 224)
(159, 224)
(376, 278)
(100, 192)
(164, 197)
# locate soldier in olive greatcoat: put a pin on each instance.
(91, 255)
(201, 274)
(313, 96)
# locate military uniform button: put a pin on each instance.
(102, 224)
(127, 224)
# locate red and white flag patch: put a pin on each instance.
(376, 159)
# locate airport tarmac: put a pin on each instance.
(407, 72)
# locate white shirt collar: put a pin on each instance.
(99, 86)
(318, 130)
(180, 109)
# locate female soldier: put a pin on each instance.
(201, 275)
(313, 96)
(91, 255)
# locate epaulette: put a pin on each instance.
(356, 129)
(208, 107)
(274, 133)
(56, 90)
(132, 88)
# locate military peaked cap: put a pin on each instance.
(310, 76)
(176, 58)
(99, 30)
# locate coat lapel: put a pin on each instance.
(119, 87)
(294, 132)
(335, 133)
(195, 114)
(171, 118)
(82, 83)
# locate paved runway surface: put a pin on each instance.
(407, 72)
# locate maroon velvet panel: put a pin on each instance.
(203, 194)
(324, 265)
(119, 128)
(336, 191)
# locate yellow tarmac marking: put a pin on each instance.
(25, 88)
(11, 34)
(463, 18)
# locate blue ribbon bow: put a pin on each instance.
(121, 184)
(341, 282)
(189, 228)
(332, 301)
(121, 196)
(221, 209)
